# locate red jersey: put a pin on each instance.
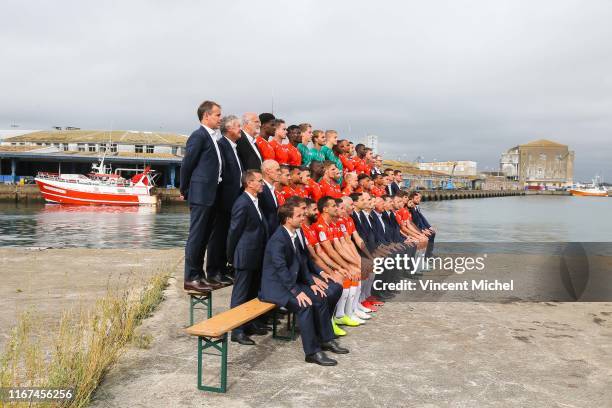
(377, 191)
(359, 165)
(310, 234)
(330, 188)
(404, 215)
(280, 197)
(347, 163)
(314, 190)
(301, 191)
(288, 191)
(347, 191)
(295, 157)
(346, 224)
(281, 152)
(325, 231)
(265, 149)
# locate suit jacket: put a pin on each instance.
(393, 188)
(380, 233)
(247, 235)
(282, 271)
(231, 183)
(269, 208)
(247, 154)
(200, 169)
(364, 230)
(393, 227)
(419, 219)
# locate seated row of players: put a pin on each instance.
(318, 261)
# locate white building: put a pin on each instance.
(456, 168)
(371, 141)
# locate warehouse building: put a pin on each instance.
(75, 150)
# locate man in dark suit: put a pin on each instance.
(246, 241)
(421, 222)
(396, 182)
(268, 202)
(229, 190)
(287, 283)
(200, 175)
(247, 150)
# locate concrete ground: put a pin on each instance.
(412, 354)
(51, 281)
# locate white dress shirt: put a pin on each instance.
(234, 145)
(252, 143)
(292, 235)
(255, 203)
(271, 187)
(214, 139)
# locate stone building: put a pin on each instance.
(539, 163)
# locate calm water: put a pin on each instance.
(504, 219)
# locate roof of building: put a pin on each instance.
(101, 136)
(542, 143)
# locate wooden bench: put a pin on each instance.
(213, 332)
(199, 298)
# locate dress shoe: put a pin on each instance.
(321, 359)
(334, 347)
(225, 280)
(337, 330)
(211, 283)
(346, 321)
(197, 286)
(220, 280)
(256, 331)
(243, 339)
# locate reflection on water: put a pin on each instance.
(53, 225)
(504, 219)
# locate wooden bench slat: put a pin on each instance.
(222, 323)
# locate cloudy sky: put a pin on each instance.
(450, 80)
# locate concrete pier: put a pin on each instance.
(30, 192)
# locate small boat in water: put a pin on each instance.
(590, 190)
(100, 187)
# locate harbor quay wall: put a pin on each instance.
(30, 193)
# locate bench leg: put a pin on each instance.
(220, 345)
(290, 327)
(205, 300)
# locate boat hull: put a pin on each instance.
(62, 192)
(583, 193)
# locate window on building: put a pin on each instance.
(91, 147)
(174, 150)
(150, 148)
(81, 147)
(138, 149)
(65, 147)
(113, 147)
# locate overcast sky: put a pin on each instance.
(450, 80)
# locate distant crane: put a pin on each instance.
(449, 183)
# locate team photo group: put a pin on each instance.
(296, 216)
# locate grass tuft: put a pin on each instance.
(84, 347)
